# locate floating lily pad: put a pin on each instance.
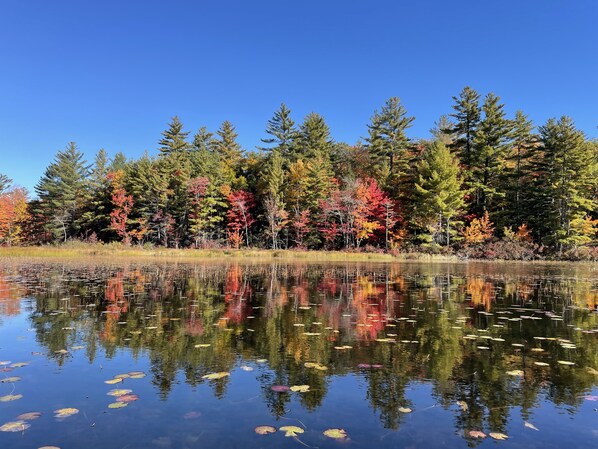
(515, 372)
(280, 388)
(127, 398)
(10, 380)
(118, 405)
(14, 426)
(565, 362)
(246, 368)
(203, 345)
(119, 392)
(498, 436)
(477, 434)
(65, 412)
(264, 430)
(405, 410)
(137, 375)
(29, 416)
(49, 447)
(541, 364)
(10, 397)
(113, 381)
(338, 434)
(122, 376)
(214, 376)
(300, 388)
(529, 425)
(291, 431)
(19, 364)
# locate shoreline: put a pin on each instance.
(102, 251)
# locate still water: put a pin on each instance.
(338, 356)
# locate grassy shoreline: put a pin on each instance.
(120, 251)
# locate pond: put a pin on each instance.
(249, 355)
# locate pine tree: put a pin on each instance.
(273, 202)
(568, 177)
(442, 130)
(5, 182)
(467, 114)
(518, 173)
(230, 155)
(95, 219)
(61, 192)
(389, 145)
(314, 140)
(438, 194)
(174, 139)
(283, 131)
(490, 145)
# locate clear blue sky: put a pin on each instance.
(111, 73)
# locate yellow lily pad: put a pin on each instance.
(541, 364)
(19, 364)
(291, 431)
(300, 388)
(10, 380)
(405, 410)
(565, 362)
(498, 436)
(10, 397)
(122, 376)
(515, 372)
(338, 434)
(119, 392)
(113, 381)
(14, 426)
(203, 345)
(118, 404)
(65, 412)
(214, 376)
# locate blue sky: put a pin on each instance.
(110, 74)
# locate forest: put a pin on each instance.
(484, 185)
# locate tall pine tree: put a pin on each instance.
(174, 139)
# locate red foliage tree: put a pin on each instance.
(122, 203)
(239, 218)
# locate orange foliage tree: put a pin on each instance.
(13, 212)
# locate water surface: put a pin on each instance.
(396, 355)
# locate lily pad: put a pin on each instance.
(246, 368)
(119, 392)
(65, 412)
(338, 434)
(10, 397)
(203, 345)
(477, 434)
(291, 431)
(127, 398)
(117, 405)
(19, 364)
(280, 388)
(264, 430)
(29, 416)
(300, 388)
(541, 364)
(405, 410)
(515, 372)
(565, 362)
(113, 381)
(136, 375)
(10, 380)
(14, 426)
(214, 376)
(498, 436)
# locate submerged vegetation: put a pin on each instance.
(484, 186)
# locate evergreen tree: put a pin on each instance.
(283, 131)
(95, 218)
(230, 155)
(389, 145)
(442, 130)
(518, 173)
(61, 192)
(174, 139)
(490, 146)
(438, 193)
(118, 162)
(467, 114)
(568, 176)
(5, 182)
(314, 139)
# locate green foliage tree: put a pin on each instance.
(5, 182)
(61, 192)
(438, 193)
(467, 115)
(283, 132)
(567, 179)
(174, 139)
(388, 143)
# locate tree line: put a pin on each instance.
(483, 185)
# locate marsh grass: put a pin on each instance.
(87, 250)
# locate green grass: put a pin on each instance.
(86, 250)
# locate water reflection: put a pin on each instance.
(488, 341)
